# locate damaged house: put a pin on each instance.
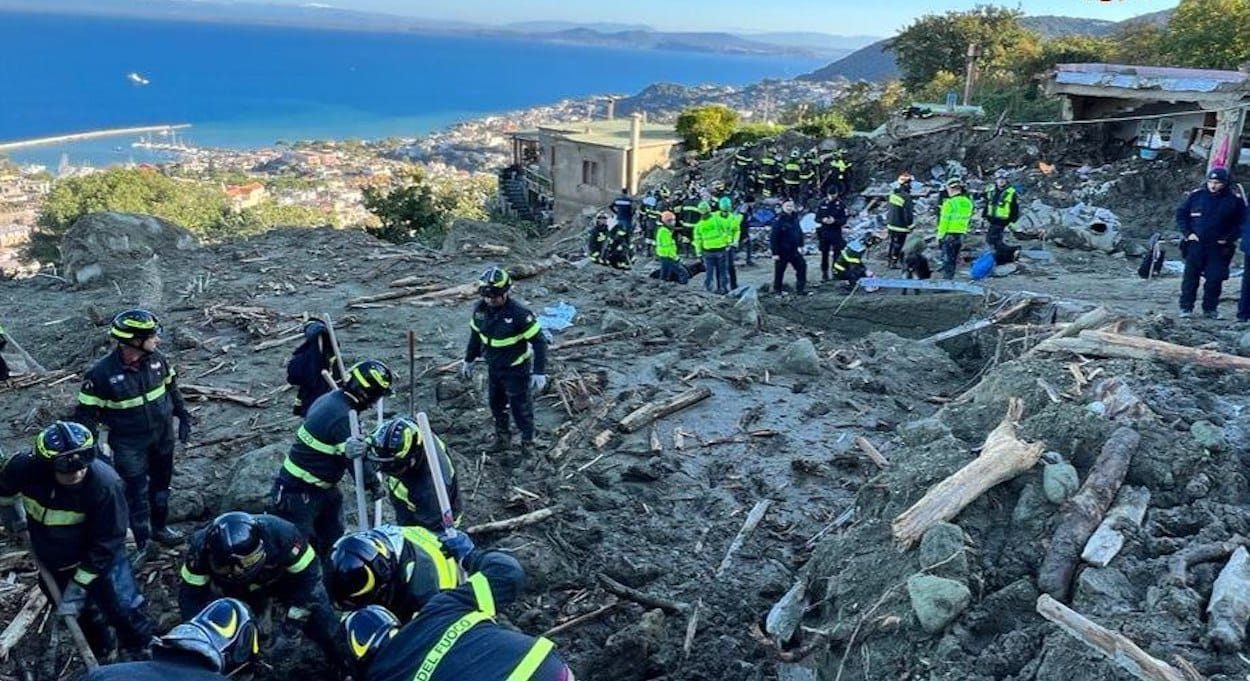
(1201, 112)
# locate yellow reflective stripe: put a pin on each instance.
(530, 663)
(84, 576)
(50, 516)
(90, 400)
(529, 352)
(317, 445)
(532, 331)
(423, 539)
(304, 561)
(150, 396)
(482, 592)
(192, 578)
(896, 200)
(453, 633)
(294, 469)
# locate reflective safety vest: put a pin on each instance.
(840, 166)
(1002, 208)
(792, 170)
(898, 205)
(955, 216)
(849, 256)
(665, 246)
(741, 160)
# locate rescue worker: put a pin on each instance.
(314, 355)
(1002, 209)
(733, 222)
(849, 267)
(510, 339)
(900, 216)
(790, 173)
(711, 239)
(839, 178)
(4, 366)
(397, 449)
(618, 253)
(74, 506)
(306, 489)
(260, 560)
(1210, 219)
(769, 173)
(666, 248)
(130, 399)
(786, 242)
(648, 218)
(455, 636)
(830, 219)
(746, 240)
(807, 176)
(398, 568)
(689, 214)
(623, 209)
(221, 640)
(597, 242)
(742, 164)
(954, 216)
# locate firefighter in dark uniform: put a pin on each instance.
(1002, 209)
(689, 214)
(212, 646)
(259, 559)
(807, 176)
(648, 220)
(900, 215)
(770, 173)
(397, 449)
(511, 340)
(790, 173)
(303, 370)
(398, 568)
(597, 241)
(830, 219)
(4, 366)
(455, 636)
(742, 164)
(305, 490)
(849, 267)
(839, 178)
(74, 506)
(132, 394)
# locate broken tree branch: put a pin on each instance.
(32, 364)
(1003, 457)
(513, 523)
(1107, 344)
(1179, 562)
(656, 410)
(1084, 511)
(13, 633)
(978, 324)
(748, 526)
(1108, 539)
(210, 393)
(582, 619)
(632, 594)
(871, 452)
(1112, 645)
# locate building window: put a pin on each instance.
(590, 173)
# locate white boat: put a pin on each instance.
(137, 79)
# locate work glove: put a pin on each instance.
(538, 382)
(354, 447)
(73, 600)
(184, 426)
(466, 368)
(456, 543)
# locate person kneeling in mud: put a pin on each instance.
(849, 267)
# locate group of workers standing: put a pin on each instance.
(414, 597)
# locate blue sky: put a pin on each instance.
(843, 17)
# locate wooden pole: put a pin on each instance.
(1112, 645)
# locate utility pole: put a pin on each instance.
(974, 52)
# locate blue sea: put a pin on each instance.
(249, 86)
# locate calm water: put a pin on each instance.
(243, 86)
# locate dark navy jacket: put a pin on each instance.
(135, 403)
(787, 235)
(1212, 216)
(165, 667)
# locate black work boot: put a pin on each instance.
(503, 439)
(527, 446)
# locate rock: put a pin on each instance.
(1103, 590)
(1059, 481)
(613, 322)
(937, 601)
(1005, 269)
(640, 643)
(1198, 487)
(251, 478)
(1229, 608)
(101, 247)
(922, 431)
(784, 617)
(1209, 435)
(1031, 507)
(185, 505)
(747, 310)
(801, 358)
(942, 552)
(793, 672)
(707, 327)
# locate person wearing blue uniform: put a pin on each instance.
(303, 370)
(455, 636)
(397, 448)
(623, 209)
(399, 568)
(786, 242)
(1210, 219)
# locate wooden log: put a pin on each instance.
(1112, 645)
(1229, 608)
(211, 393)
(589, 340)
(32, 365)
(978, 324)
(30, 380)
(1107, 344)
(1106, 542)
(582, 619)
(1084, 512)
(13, 633)
(1179, 562)
(652, 411)
(642, 598)
(1003, 457)
(391, 295)
(748, 526)
(871, 452)
(513, 523)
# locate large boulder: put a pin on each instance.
(251, 478)
(801, 358)
(103, 247)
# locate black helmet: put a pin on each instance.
(368, 381)
(494, 281)
(362, 570)
(236, 552)
(394, 444)
(135, 325)
(223, 633)
(67, 445)
(368, 630)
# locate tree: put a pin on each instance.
(867, 105)
(1212, 34)
(935, 43)
(753, 132)
(407, 212)
(1072, 49)
(827, 124)
(1139, 42)
(705, 128)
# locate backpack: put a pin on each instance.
(983, 266)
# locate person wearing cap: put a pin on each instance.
(1210, 219)
(130, 399)
(220, 641)
(666, 248)
(73, 505)
(1002, 209)
(786, 242)
(313, 356)
(954, 217)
